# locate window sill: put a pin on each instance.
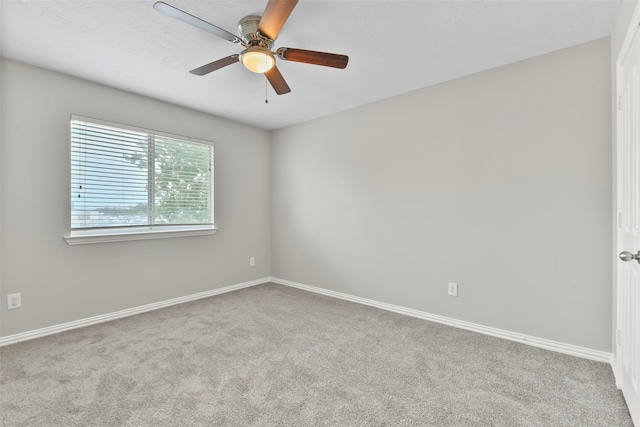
(89, 237)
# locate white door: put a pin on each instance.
(628, 286)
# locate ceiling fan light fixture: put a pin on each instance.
(257, 59)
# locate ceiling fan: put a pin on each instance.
(257, 35)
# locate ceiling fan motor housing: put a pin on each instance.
(248, 31)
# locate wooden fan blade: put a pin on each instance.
(277, 81)
(313, 57)
(215, 65)
(185, 17)
(274, 17)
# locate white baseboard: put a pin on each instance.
(569, 349)
(573, 350)
(37, 333)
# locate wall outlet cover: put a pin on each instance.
(14, 301)
(453, 289)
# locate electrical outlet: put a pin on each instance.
(453, 289)
(252, 261)
(14, 301)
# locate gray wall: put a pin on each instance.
(500, 181)
(61, 283)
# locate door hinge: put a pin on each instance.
(620, 102)
(619, 337)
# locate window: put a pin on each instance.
(130, 183)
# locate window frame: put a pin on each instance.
(78, 236)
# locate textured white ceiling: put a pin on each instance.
(394, 47)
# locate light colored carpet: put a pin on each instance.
(276, 356)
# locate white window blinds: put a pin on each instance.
(123, 177)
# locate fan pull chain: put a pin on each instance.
(266, 92)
